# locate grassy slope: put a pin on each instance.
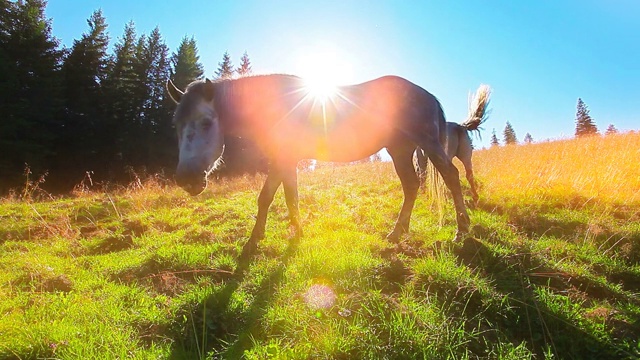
(552, 267)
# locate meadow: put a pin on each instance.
(550, 270)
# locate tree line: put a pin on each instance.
(87, 110)
(585, 126)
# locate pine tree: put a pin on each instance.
(509, 135)
(154, 149)
(84, 71)
(611, 129)
(30, 92)
(185, 64)
(139, 110)
(528, 139)
(584, 123)
(121, 88)
(494, 139)
(225, 67)
(245, 66)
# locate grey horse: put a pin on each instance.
(458, 142)
(281, 115)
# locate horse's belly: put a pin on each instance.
(341, 144)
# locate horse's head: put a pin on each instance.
(200, 138)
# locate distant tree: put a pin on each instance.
(84, 71)
(245, 66)
(509, 135)
(186, 66)
(30, 92)
(225, 67)
(611, 129)
(528, 139)
(157, 107)
(375, 157)
(584, 123)
(494, 139)
(121, 88)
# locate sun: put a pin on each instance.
(323, 69)
(320, 88)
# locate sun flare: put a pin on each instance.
(319, 88)
(323, 69)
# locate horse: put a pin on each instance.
(458, 143)
(288, 123)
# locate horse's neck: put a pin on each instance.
(234, 101)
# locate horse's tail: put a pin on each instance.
(478, 109)
(421, 159)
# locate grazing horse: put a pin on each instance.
(458, 143)
(281, 115)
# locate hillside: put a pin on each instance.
(551, 269)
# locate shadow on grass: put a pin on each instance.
(531, 320)
(215, 326)
(537, 221)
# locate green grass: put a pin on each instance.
(152, 273)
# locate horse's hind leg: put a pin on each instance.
(464, 153)
(468, 167)
(451, 178)
(403, 162)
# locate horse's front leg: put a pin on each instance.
(290, 184)
(274, 179)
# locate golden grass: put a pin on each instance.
(599, 168)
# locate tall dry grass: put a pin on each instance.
(593, 169)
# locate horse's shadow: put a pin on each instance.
(529, 319)
(213, 326)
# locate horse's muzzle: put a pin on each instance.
(192, 182)
(194, 189)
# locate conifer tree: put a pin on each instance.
(225, 67)
(509, 135)
(121, 88)
(611, 129)
(528, 139)
(186, 66)
(494, 139)
(84, 71)
(245, 66)
(584, 123)
(30, 93)
(156, 150)
(86, 66)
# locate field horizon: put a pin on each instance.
(551, 268)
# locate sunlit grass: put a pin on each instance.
(145, 271)
(574, 172)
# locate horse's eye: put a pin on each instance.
(206, 125)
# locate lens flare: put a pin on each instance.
(320, 89)
(320, 297)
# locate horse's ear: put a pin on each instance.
(174, 92)
(208, 90)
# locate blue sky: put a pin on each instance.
(538, 56)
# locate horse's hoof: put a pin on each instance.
(249, 249)
(460, 236)
(297, 233)
(394, 236)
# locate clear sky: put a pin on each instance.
(538, 56)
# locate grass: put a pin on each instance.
(551, 269)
